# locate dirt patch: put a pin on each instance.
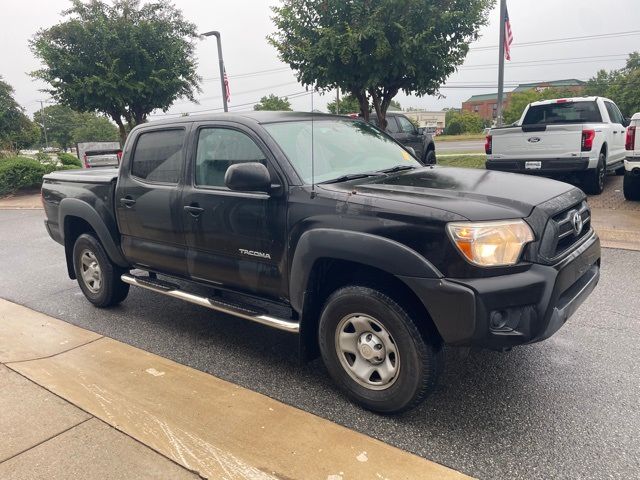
(26, 199)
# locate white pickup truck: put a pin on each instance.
(584, 136)
(632, 162)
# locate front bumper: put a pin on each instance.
(547, 165)
(509, 310)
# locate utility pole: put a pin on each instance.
(44, 124)
(503, 19)
(221, 64)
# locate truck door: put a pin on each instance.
(236, 240)
(409, 136)
(148, 199)
(616, 150)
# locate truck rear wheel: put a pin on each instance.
(374, 351)
(98, 277)
(593, 179)
(631, 187)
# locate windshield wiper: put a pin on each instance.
(352, 176)
(397, 168)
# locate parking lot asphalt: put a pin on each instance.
(564, 408)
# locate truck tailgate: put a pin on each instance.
(543, 142)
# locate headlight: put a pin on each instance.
(491, 244)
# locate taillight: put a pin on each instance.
(631, 138)
(588, 136)
(119, 154)
(85, 161)
(488, 144)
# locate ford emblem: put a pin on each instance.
(534, 140)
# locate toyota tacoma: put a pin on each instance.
(326, 227)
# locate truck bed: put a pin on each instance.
(98, 175)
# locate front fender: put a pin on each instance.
(364, 248)
(73, 207)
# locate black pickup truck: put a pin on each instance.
(324, 226)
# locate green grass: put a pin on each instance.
(463, 161)
(460, 138)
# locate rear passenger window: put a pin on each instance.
(614, 114)
(158, 156)
(218, 149)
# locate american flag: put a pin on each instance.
(508, 35)
(226, 86)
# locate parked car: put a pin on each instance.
(99, 154)
(102, 158)
(373, 259)
(402, 130)
(632, 162)
(583, 136)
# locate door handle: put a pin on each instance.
(193, 210)
(127, 201)
(615, 132)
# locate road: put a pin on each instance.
(466, 146)
(565, 408)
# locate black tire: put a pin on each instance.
(430, 157)
(631, 187)
(593, 179)
(110, 290)
(419, 359)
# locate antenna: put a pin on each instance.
(313, 170)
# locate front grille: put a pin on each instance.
(564, 232)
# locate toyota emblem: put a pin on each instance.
(577, 223)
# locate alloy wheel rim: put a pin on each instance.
(367, 351)
(91, 271)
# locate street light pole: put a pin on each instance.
(221, 63)
(44, 125)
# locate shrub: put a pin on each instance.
(20, 172)
(43, 157)
(66, 159)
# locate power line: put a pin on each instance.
(563, 40)
(549, 61)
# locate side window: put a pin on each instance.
(218, 149)
(614, 115)
(392, 125)
(158, 156)
(406, 126)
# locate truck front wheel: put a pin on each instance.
(374, 351)
(98, 277)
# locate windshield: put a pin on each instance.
(341, 148)
(567, 112)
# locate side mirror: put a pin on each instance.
(248, 177)
(422, 130)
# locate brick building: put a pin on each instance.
(487, 105)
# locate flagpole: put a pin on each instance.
(503, 19)
(221, 64)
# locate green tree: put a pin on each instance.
(16, 129)
(395, 104)
(348, 104)
(273, 103)
(375, 49)
(60, 121)
(94, 128)
(124, 59)
(458, 123)
(622, 86)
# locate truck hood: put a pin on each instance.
(471, 193)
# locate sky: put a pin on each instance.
(244, 24)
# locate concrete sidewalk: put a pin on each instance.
(79, 405)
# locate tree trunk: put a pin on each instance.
(364, 104)
(380, 113)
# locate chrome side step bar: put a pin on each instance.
(174, 291)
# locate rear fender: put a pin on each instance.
(72, 207)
